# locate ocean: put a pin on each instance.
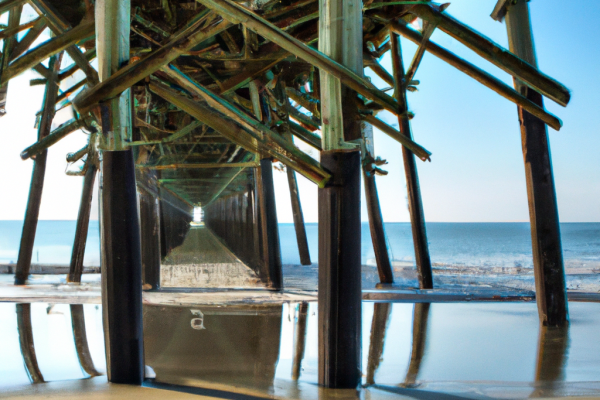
(484, 245)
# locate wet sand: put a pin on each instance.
(469, 350)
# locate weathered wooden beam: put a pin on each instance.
(64, 95)
(238, 14)
(25, 329)
(497, 55)
(171, 138)
(6, 5)
(78, 155)
(379, 324)
(59, 25)
(376, 227)
(23, 45)
(83, 222)
(37, 178)
(56, 135)
(269, 143)
(340, 37)
(120, 230)
(479, 75)
(415, 204)
(428, 29)
(8, 46)
(251, 164)
(81, 344)
(548, 265)
(224, 186)
(47, 49)
(182, 41)
(372, 63)
(298, 217)
(307, 136)
(6, 33)
(405, 141)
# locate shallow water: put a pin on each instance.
(468, 244)
(254, 346)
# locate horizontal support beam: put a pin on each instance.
(184, 40)
(419, 151)
(201, 166)
(239, 15)
(6, 5)
(6, 33)
(494, 53)
(58, 25)
(48, 49)
(253, 135)
(305, 135)
(479, 75)
(56, 135)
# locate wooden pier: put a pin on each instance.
(193, 102)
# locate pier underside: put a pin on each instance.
(190, 108)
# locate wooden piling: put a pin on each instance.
(119, 222)
(37, 178)
(25, 330)
(81, 343)
(550, 282)
(83, 222)
(299, 340)
(301, 238)
(271, 249)
(121, 269)
(381, 319)
(382, 257)
(340, 37)
(415, 204)
(150, 236)
(340, 271)
(8, 46)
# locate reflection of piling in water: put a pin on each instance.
(381, 317)
(299, 340)
(553, 348)
(81, 343)
(420, 320)
(26, 342)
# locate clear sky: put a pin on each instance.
(476, 173)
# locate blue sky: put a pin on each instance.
(476, 173)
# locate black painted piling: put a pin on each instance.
(340, 271)
(121, 269)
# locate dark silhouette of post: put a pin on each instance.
(271, 249)
(120, 230)
(550, 283)
(83, 222)
(37, 177)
